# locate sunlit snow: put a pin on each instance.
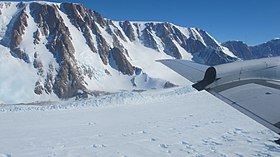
(173, 122)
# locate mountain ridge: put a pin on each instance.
(244, 51)
(65, 50)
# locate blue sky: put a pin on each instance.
(251, 21)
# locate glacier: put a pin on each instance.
(127, 112)
(171, 122)
(66, 50)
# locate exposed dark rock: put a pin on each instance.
(98, 18)
(66, 80)
(169, 85)
(148, 39)
(84, 20)
(210, 56)
(19, 53)
(210, 42)
(80, 18)
(115, 30)
(128, 30)
(165, 32)
(48, 84)
(268, 49)
(36, 55)
(179, 36)
(118, 44)
(16, 36)
(1, 6)
(171, 49)
(38, 65)
(21, 4)
(36, 37)
(122, 63)
(243, 51)
(103, 49)
(239, 49)
(67, 83)
(38, 88)
(137, 30)
(69, 79)
(107, 72)
(192, 45)
(277, 141)
(137, 70)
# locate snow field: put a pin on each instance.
(173, 122)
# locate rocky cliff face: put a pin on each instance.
(268, 49)
(245, 52)
(68, 80)
(71, 47)
(240, 49)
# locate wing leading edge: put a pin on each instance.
(252, 87)
(190, 70)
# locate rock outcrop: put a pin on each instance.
(240, 49)
(245, 52)
(17, 32)
(122, 63)
(128, 30)
(69, 79)
(42, 34)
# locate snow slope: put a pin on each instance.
(29, 33)
(16, 79)
(173, 122)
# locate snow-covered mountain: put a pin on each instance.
(245, 52)
(51, 51)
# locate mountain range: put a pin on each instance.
(51, 51)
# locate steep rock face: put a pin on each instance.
(168, 38)
(193, 46)
(103, 48)
(240, 49)
(85, 20)
(128, 30)
(166, 34)
(81, 19)
(210, 56)
(147, 38)
(268, 49)
(208, 40)
(73, 49)
(16, 35)
(68, 81)
(122, 63)
(243, 51)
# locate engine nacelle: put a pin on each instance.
(240, 72)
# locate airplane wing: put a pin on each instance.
(252, 87)
(185, 68)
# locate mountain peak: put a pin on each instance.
(71, 51)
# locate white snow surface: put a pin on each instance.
(7, 9)
(170, 122)
(18, 80)
(97, 76)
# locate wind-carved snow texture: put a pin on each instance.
(171, 122)
(105, 99)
